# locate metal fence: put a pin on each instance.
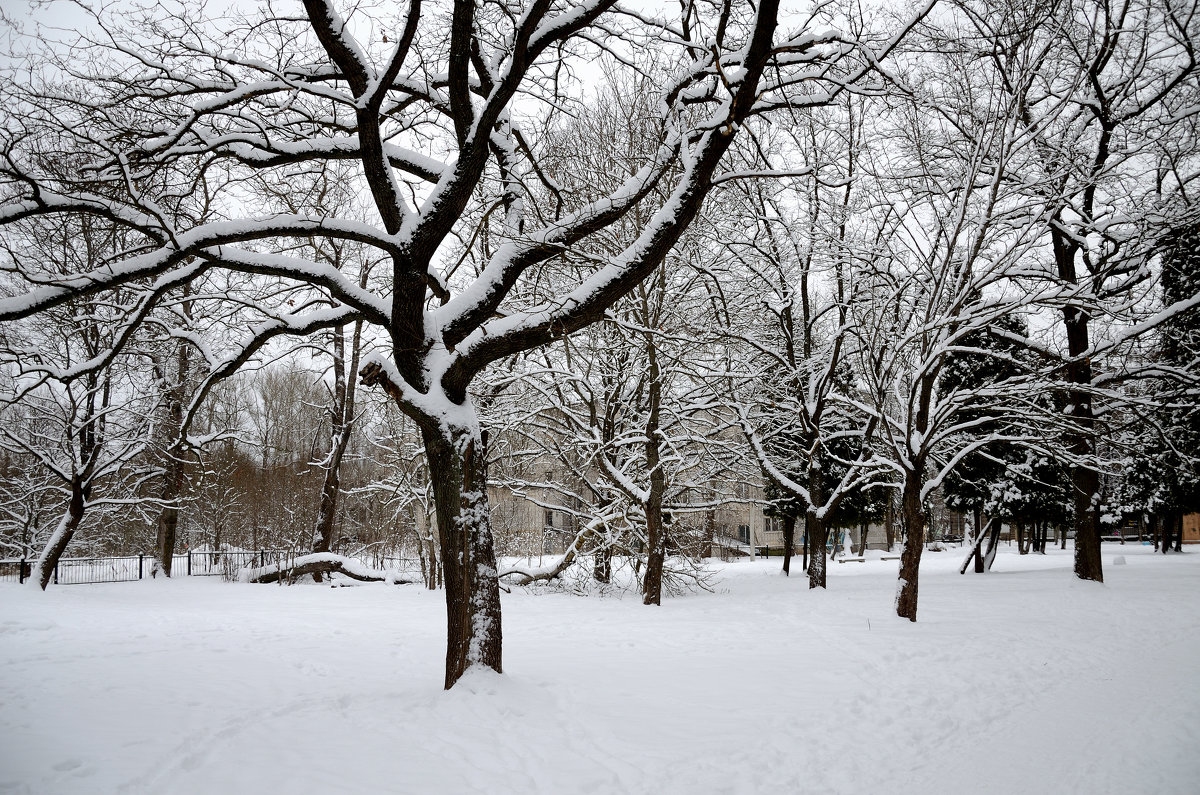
(225, 563)
(77, 571)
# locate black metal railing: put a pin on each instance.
(222, 563)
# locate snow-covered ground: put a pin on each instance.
(1023, 680)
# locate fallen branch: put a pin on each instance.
(322, 563)
(529, 576)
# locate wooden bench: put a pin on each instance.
(851, 560)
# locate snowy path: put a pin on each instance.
(1023, 680)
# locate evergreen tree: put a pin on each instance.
(1164, 478)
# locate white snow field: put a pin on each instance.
(1023, 680)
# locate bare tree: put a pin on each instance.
(1104, 93)
(428, 121)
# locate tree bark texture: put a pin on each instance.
(1085, 480)
(979, 530)
(174, 469)
(602, 565)
(341, 419)
(889, 522)
(818, 535)
(655, 532)
(789, 538)
(43, 570)
(314, 567)
(913, 516)
(168, 520)
(804, 542)
(458, 466)
(993, 546)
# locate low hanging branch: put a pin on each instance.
(322, 563)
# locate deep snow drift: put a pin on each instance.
(1022, 680)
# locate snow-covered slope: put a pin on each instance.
(1022, 680)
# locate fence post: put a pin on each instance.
(262, 558)
(189, 563)
(140, 556)
(56, 572)
(21, 573)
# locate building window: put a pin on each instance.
(549, 518)
(744, 533)
(741, 491)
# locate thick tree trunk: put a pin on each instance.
(913, 516)
(1085, 480)
(817, 535)
(1179, 532)
(1022, 547)
(331, 487)
(458, 468)
(1087, 524)
(43, 569)
(168, 519)
(789, 538)
(656, 553)
(174, 470)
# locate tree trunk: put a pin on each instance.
(979, 528)
(601, 557)
(804, 541)
(889, 522)
(1087, 524)
(43, 569)
(1179, 532)
(341, 419)
(656, 538)
(789, 538)
(1022, 547)
(914, 542)
(173, 475)
(817, 535)
(458, 468)
(976, 554)
(993, 546)
(168, 519)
